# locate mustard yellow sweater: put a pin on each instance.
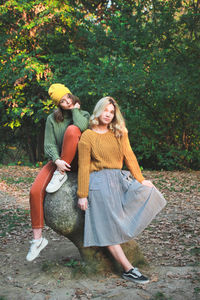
(103, 151)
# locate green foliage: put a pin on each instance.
(72, 263)
(143, 53)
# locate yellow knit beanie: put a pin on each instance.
(57, 91)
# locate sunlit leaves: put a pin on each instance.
(143, 53)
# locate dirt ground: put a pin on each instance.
(170, 245)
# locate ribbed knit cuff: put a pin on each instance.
(54, 158)
(81, 195)
(140, 179)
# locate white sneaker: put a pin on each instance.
(56, 182)
(36, 247)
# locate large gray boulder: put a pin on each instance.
(64, 217)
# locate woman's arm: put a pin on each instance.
(130, 159)
(80, 118)
(132, 163)
(50, 146)
(84, 159)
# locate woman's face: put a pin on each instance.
(107, 115)
(66, 103)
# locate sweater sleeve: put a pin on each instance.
(131, 160)
(84, 159)
(50, 146)
(80, 118)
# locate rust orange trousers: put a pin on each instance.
(37, 192)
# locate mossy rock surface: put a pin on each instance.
(60, 208)
(64, 217)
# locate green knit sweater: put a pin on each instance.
(54, 131)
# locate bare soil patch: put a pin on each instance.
(170, 245)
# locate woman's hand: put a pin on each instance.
(147, 183)
(72, 106)
(77, 105)
(83, 203)
(62, 166)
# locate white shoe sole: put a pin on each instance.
(135, 280)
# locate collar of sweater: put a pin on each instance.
(67, 113)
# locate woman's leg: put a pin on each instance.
(37, 194)
(118, 254)
(130, 273)
(70, 144)
(69, 155)
(37, 233)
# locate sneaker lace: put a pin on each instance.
(56, 173)
(58, 176)
(33, 242)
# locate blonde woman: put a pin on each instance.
(117, 207)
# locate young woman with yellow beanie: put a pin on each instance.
(62, 133)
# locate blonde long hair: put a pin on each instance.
(118, 123)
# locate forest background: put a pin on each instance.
(143, 53)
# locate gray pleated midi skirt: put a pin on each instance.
(119, 208)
